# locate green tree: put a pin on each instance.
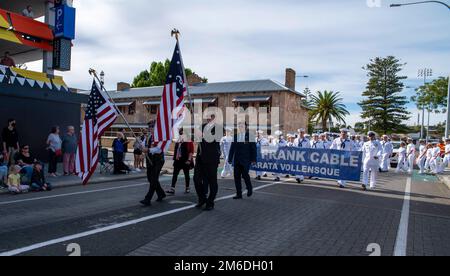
(325, 106)
(433, 95)
(156, 75)
(383, 106)
(360, 127)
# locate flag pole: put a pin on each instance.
(93, 73)
(176, 33)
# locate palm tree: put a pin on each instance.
(327, 105)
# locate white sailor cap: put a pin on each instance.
(290, 135)
(278, 133)
(259, 132)
(371, 133)
(301, 130)
(344, 130)
(228, 129)
(315, 135)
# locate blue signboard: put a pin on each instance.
(65, 22)
(329, 164)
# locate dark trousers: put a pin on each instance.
(177, 168)
(119, 165)
(242, 172)
(153, 172)
(205, 178)
(52, 161)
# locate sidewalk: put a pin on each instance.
(445, 178)
(97, 178)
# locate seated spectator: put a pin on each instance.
(14, 181)
(25, 160)
(7, 61)
(38, 183)
(28, 12)
(3, 171)
(118, 155)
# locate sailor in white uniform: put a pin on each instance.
(303, 143)
(411, 155)
(316, 143)
(280, 142)
(225, 146)
(435, 160)
(261, 142)
(429, 155)
(402, 158)
(344, 144)
(371, 161)
(422, 158)
(387, 149)
(446, 160)
(326, 144)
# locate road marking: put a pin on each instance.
(112, 227)
(402, 236)
(72, 194)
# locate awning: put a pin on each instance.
(249, 99)
(152, 103)
(124, 104)
(202, 100)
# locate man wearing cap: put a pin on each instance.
(260, 143)
(411, 155)
(386, 152)
(316, 143)
(225, 145)
(446, 156)
(303, 143)
(279, 142)
(155, 163)
(326, 144)
(371, 161)
(422, 156)
(343, 144)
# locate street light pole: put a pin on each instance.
(424, 73)
(447, 128)
(421, 2)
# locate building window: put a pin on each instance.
(132, 109)
(267, 105)
(153, 109)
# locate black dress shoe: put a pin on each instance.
(342, 186)
(364, 187)
(209, 208)
(249, 193)
(258, 178)
(146, 202)
(160, 199)
(237, 197)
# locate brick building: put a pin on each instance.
(140, 105)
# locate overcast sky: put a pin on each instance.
(328, 40)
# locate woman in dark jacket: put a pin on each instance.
(183, 161)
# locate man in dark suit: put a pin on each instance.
(242, 156)
(207, 164)
(155, 163)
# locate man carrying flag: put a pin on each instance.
(170, 116)
(100, 115)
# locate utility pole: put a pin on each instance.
(424, 73)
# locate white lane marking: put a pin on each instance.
(112, 227)
(72, 194)
(402, 236)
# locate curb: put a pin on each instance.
(98, 181)
(444, 180)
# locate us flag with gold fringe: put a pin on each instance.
(100, 115)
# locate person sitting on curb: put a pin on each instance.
(14, 181)
(3, 171)
(38, 179)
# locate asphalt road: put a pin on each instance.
(315, 218)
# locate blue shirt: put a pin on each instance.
(118, 146)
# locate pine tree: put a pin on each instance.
(384, 108)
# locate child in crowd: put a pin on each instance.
(38, 182)
(14, 181)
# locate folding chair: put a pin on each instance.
(106, 163)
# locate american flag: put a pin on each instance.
(100, 115)
(172, 107)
